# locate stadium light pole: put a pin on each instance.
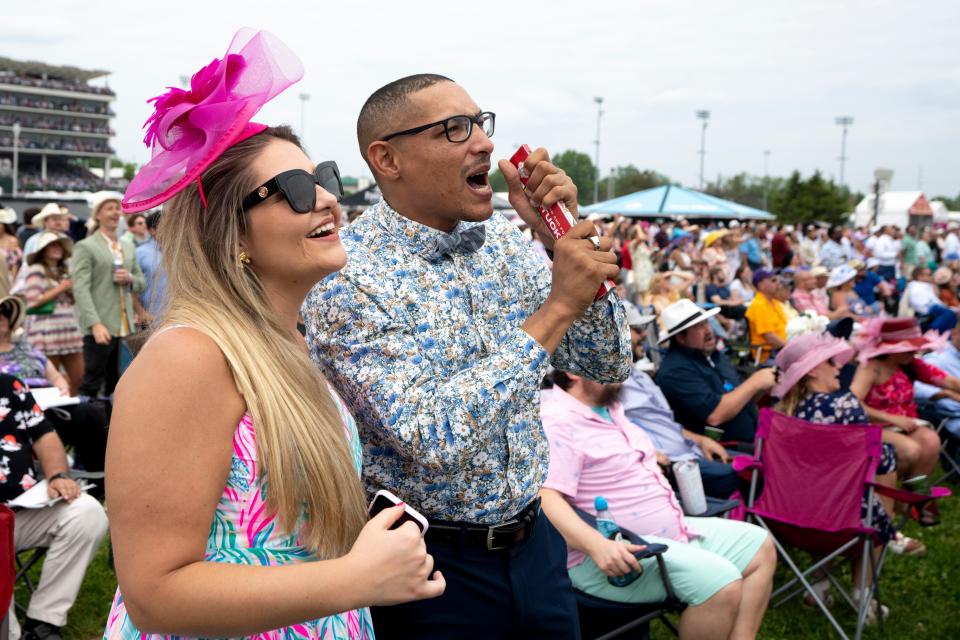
(704, 115)
(16, 156)
(845, 122)
(303, 111)
(596, 154)
(766, 176)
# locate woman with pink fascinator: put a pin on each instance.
(232, 470)
(887, 352)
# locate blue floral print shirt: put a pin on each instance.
(432, 359)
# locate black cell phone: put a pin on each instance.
(384, 499)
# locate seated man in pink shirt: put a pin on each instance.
(807, 297)
(722, 569)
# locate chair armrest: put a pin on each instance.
(909, 496)
(653, 549)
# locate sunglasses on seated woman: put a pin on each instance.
(299, 187)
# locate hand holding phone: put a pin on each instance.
(384, 499)
(390, 561)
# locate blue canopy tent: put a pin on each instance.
(670, 201)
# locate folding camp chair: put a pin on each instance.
(814, 477)
(949, 438)
(605, 619)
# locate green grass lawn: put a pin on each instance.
(922, 593)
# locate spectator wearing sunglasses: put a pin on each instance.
(233, 467)
(438, 333)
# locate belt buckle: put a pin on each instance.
(496, 529)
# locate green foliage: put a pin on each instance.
(497, 181)
(130, 170)
(809, 200)
(919, 592)
(952, 204)
(579, 167)
(793, 200)
(628, 179)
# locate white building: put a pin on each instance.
(900, 208)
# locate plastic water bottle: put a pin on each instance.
(610, 530)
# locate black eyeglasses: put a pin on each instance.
(299, 187)
(456, 128)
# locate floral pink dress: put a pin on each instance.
(243, 532)
(895, 396)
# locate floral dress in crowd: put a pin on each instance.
(844, 408)
(895, 396)
(243, 532)
(57, 333)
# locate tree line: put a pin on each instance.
(793, 200)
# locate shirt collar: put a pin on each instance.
(417, 238)
(696, 354)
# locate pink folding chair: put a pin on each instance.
(814, 476)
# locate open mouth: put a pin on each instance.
(324, 230)
(479, 182)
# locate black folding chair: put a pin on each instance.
(606, 619)
(25, 560)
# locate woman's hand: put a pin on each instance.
(394, 564)
(614, 558)
(65, 285)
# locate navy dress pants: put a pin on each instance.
(519, 593)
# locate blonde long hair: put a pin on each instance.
(300, 435)
(791, 400)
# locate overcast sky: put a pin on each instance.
(773, 74)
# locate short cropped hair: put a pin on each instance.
(384, 107)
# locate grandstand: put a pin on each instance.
(64, 127)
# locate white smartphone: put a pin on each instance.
(384, 499)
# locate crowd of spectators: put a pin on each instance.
(59, 144)
(55, 83)
(61, 177)
(719, 312)
(35, 102)
(77, 125)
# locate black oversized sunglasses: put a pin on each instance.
(456, 128)
(299, 187)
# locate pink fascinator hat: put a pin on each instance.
(190, 129)
(882, 335)
(803, 354)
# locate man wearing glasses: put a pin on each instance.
(438, 334)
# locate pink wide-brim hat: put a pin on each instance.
(802, 355)
(190, 129)
(883, 335)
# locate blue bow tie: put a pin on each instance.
(466, 241)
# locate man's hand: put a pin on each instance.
(101, 335)
(579, 269)
(63, 488)
(547, 185)
(713, 450)
(122, 276)
(614, 558)
(663, 459)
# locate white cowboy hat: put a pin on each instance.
(681, 315)
(49, 209)
(7, 215)
(634, 317)
(841, 275)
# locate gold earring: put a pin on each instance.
(244, 258)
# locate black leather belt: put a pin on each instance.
(493, 537)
